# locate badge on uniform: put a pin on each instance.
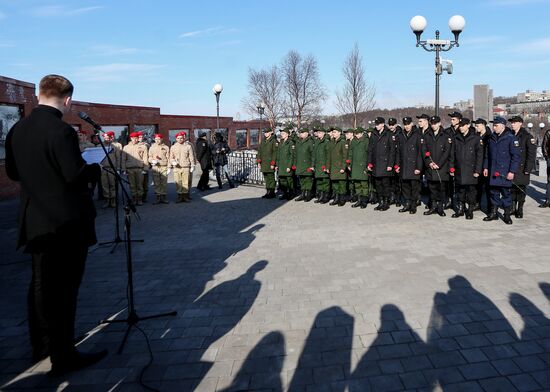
(481, 142)
(393, 138)
(346, 146)
(450, 141)
(516, 143)
(421, 141)
(293, 146)
(533, 141)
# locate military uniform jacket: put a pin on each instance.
(43, 155)
(440, 147)
(358, 155)
(304, 157)
(183, 154)
(503, 157)
(528, 149)
(320, 157)
(160, 153)
(204, 154)
(134, 156)
(286, 158)
(546, 144)
(382, 152)
(267, 154)
(468, 158)
(114, 150)
(409, 154)
(338, 153)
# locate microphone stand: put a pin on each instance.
(129, 206)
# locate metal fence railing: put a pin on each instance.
(243, 167)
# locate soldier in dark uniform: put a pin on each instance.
(423, 126)
(410, 164)
(468, 166)
(382, 158)
(528, 149)
(484, 133)
(336, 164)
(204, 156)
(437, 155)
(358, 155)
(266, 158)
(286, 165)
(350, 190)
(320, 161)
(455, 119)
(546, 154)
(453, 131)
(304, 164)
(395, 194)
(500, 165)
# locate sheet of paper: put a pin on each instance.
(93, 155)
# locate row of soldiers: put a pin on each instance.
(137, 158)
(390, 165)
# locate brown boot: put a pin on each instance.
(186, 198)
(179, 198)
(157, 199)
(163, 199)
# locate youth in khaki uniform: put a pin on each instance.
(108, 183)
(134, 160)
(159, 155)
(145, 170)
(183, 161)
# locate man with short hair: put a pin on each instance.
(382, 158)
(500, 165)
(320, 162)
(108, 179)
(410, 164)
(528, 149)
(336, 166)
(437, 148)
(134, 161)
(204, 156)
(358, 156)
(183, 161)
(455, 119)
(395, 187)
(56, 222)
(304, 164)
(286, 165)
(484, 133)
(267, 160)
(159, 155)
(145, 171)
(467, 167)
(546, 154)
(351, 195)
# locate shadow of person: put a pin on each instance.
(545, 288)
(466, 327)
(262, 367)
(535, 324)
(325, 361)
(397, 349)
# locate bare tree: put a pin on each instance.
(358, 94)
(303, 89)
(265, 85)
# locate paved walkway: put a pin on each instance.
(275, 296)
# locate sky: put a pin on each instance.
(169, 53)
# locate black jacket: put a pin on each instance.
(410, 154)
(528, 148)
(42, 154)
(220, 151)
(382, 152)
(440, 152)
(204, 154)
(546, 144)
(468, 158)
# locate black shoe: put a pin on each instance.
(358, 203)
(354, 198)
(325, 199)
(477, 207)
(493, 215)
(545, 204)
(77, 362)
(469, 214)
(519, 210)
(342, 202)
(364, 202)
(335, 201)
(270, 194)
(506, 218)
(440, 209)
(447, 205)
(320, 196)
(406, 207)
(301, 197)
(431, 211)
(513, 208)
(385, 204)
(460, 211)
(413, 209)
(418, 203)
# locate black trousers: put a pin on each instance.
(383, 186)
(56, 276)
(411, 190)
(518, 193)
(483, 189)
(204, 179)
(438, 191)
(467, 194)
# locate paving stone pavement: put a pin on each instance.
(275, 296)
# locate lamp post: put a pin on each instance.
(456, 24)
(261, 110)
(217, 90)
(541, 127)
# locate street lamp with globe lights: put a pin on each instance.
(261, 110)
(217, 90)
(456, 23)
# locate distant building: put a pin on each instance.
(462, 106)
(483, 102)
(533, 96)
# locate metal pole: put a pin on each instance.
(218, 113)
(437, 73)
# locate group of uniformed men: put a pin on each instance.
(391, 164)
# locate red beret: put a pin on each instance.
(181, 134)
(110, 134)
(139, 133)
(159, 136)
(134, 134)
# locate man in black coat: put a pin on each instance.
(528, 148)
(395, 193)
(56, 221)
(436, 151)
(409, 158)
(546, 154)
(468, 166)
(382, 155)
(220, 151)
(204, 156)
(483, 187)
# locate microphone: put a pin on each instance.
(87, 118)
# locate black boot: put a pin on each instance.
(385, 204)
(432, 210)
(413, 207)
(380, 204)
(441, 209)
(506, 218)
(459, 212)
(354, 198)
(493, 214)
(342, 201)
(373, 198)
(545, 204)
(406, 206)
(266, 193)
(364, 202)
(229, 181)
(358, 203)
(469, 211)
(320, 196)
(270, 194)
(519, 210)
(513, 208)
(308, 196)
(282, 196)
(301, 197)
(477, 207)
(326, 198)
(335, 201)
